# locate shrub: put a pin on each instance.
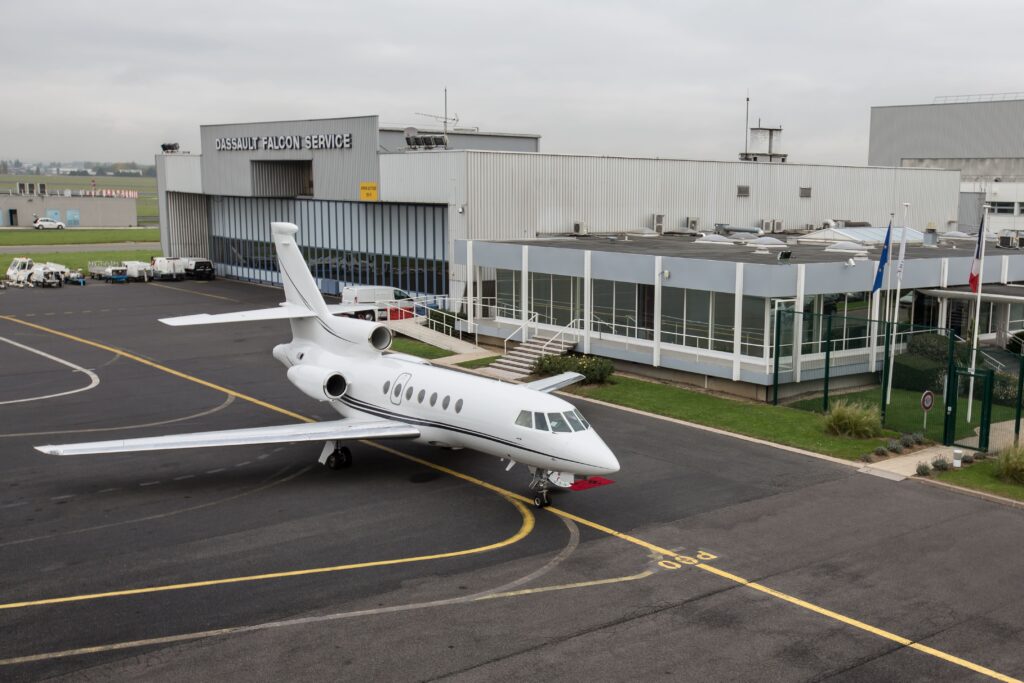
(929, 345)
(894, 446)
(853, 419)
(1004, 389)
(918, 373)
(967, 459)
(980, 455)
(881, 452)
(1015, 344)
(595, 370)
(940, 464)
(919, 438)
(923, 470)
(867, 457)
(1010, 465)
(907, 441)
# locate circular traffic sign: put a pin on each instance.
(927, 400)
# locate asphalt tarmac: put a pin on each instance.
(709, 558)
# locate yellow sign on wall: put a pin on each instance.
(368, 192)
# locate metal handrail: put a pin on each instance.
(533, 318)
(561, 332)
(1000, 367)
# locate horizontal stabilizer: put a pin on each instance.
(282, 312)
(336, 430)
(549, 384)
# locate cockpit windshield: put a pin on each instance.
(571, 421)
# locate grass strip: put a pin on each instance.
(77, 236)
(415, 347)
(478, 362)
(778, 424)
(981, 476)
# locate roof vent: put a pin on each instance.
(766, 243)
(847, 248)
(713, 239)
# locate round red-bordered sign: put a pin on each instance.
(927, 400)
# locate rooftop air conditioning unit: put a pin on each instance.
(766, 225)
(659, 223)
(1007, 242)
(579, 228)
(692, 223)
(778, 226)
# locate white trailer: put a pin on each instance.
(168, 268)
(138, 270)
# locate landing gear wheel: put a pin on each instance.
(340, 459)
(541, 500)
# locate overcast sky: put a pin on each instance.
(112, 80)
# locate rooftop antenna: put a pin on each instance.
(445, 119)
(746, 125)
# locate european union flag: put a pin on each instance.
(882, 260)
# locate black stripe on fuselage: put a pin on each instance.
(365, 407)
(298, 291)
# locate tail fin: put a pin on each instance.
(299, 286)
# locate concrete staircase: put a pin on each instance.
(520, 361)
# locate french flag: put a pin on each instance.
(975, 277)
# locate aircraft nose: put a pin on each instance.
(601, 457)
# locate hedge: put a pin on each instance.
(918, 373)
(594, 370)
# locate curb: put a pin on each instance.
(990, 497)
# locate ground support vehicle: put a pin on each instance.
(24, 272)
(168, 268)
(376, 303)
(199, 269)
(140, 271)
(108, 271)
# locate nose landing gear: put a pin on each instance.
(540, 484)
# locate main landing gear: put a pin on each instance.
(336, 457)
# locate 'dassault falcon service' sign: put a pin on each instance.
(255, 143)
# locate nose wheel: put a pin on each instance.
(539, 485)
(541, 499)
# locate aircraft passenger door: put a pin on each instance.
(399, 388)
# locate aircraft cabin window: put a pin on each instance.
(586, 425)
(433, 399)
(445, 402)
(421, 395)
(458, 406)
(408, 393)
(540, 422)
(525, 419)
(387, 387)
(398, 390)
(576, 425)
(558, 423)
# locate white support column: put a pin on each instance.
(588, 303)
(470, 286)
(798, 320)
(876, 300)
(524, 290)
(656, 361)
(1004, 270)
(944, 272)
(943, 311)
(737, 322)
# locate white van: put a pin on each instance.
(370, 302)
(362, 294)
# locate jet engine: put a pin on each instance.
(319, 383)
(377, 336)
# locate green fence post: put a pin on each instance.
(1020, 390)
(828, 356)
(986, 412)
(778, 336)
(885, 371)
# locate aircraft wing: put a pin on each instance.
(335, 430)
(549, 384)
(282, 312)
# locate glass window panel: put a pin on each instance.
(525, 418)
(698, 318)
(558, 423)
(540, 422)
(576, 425)
(603, 304)
(562, 310)
(624, 318)
(540, 296)
(723, 329)
(673, 314)
(752, 326)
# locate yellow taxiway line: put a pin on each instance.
(675, 558)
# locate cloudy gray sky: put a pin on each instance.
(112, 80)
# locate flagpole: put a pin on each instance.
(896, 302)
(977, 312)
(888, 279)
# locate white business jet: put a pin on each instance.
(394, 396)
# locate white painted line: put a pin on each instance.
(94, 380)
(219, 469)
(261, 457)
(106, 490)
(149, 483)
(70, 495)
(243, 464)
(12, 505)
(184, 476)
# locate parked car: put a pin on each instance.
(44, 223)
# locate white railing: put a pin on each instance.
(571, 326)
(522, 328)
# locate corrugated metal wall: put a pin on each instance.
(971, 207)
(959, 130)
(394, 140)
(282, 178)
(189, 233)
(399, 245)
(516, 196)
